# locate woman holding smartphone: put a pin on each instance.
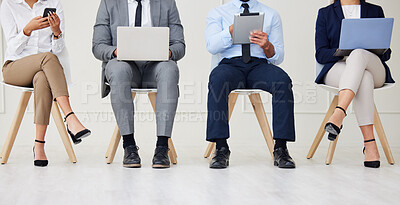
(356, 76)
(33, 41)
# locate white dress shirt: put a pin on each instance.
(15, 15)
(146, 13)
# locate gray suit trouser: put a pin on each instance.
(123, 76)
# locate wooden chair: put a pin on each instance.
(256, 102)
(332, 145)
(116, 137)
(23, 103)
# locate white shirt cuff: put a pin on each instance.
(57, 44)
(274, 58)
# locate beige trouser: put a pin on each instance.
(42, 71)
(361, 72)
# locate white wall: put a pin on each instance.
(311, 103)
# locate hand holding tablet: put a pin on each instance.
(244, 24)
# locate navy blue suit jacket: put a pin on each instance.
(327, 36)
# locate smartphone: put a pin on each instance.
(47, 11)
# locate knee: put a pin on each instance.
(50, 56)
(283, 81)
(357, 54)
(219, 76)
(118, 71)
(168, 71)
(40, 80)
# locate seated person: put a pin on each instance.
(356, 76)
(248, 66)
(124, 75)
(30, 60)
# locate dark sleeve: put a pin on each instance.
(385, 57)
(323, 54)
(102, 47)
(177, 41)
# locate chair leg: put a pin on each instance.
(331, 151)
(16, 123)
(172, 152)
(259, 110)
(113, 146)
(321, 131)
(209, 149)
(55, 112)
(231, 105)
(153, 99)
(382, 138)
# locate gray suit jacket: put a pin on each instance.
(114, 13)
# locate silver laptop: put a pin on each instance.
(372, 34)
(143, 43)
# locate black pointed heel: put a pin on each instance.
(333, 129)
(77, 138)
(371, 164)
(39, 163)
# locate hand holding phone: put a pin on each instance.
(55, 21)
(36, 23)
(47, 11)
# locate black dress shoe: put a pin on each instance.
(161, 158)
(282, 159)
(131, 157)
(221, 159)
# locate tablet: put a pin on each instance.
(244, 24)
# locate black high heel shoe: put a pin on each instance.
(371, 164)
(77, 138)
(39, 163)
(333, 129)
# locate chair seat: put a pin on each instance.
(141, 90)
(247, 91)
(144, 90)
(26, 89)
(335, 89)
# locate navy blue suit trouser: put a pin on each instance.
(233, 74)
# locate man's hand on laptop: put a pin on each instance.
(116, 53)
(261, 39)
(231, 30)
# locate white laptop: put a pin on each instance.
(143, 43)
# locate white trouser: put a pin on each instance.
(361, 72)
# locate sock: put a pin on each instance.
(162, 141)
(128, 140)
(222, 143)
(280, 143)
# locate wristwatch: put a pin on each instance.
(59, 36)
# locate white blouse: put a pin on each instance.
(352, 11)
(15, 15)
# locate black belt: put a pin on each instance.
(252, 58)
